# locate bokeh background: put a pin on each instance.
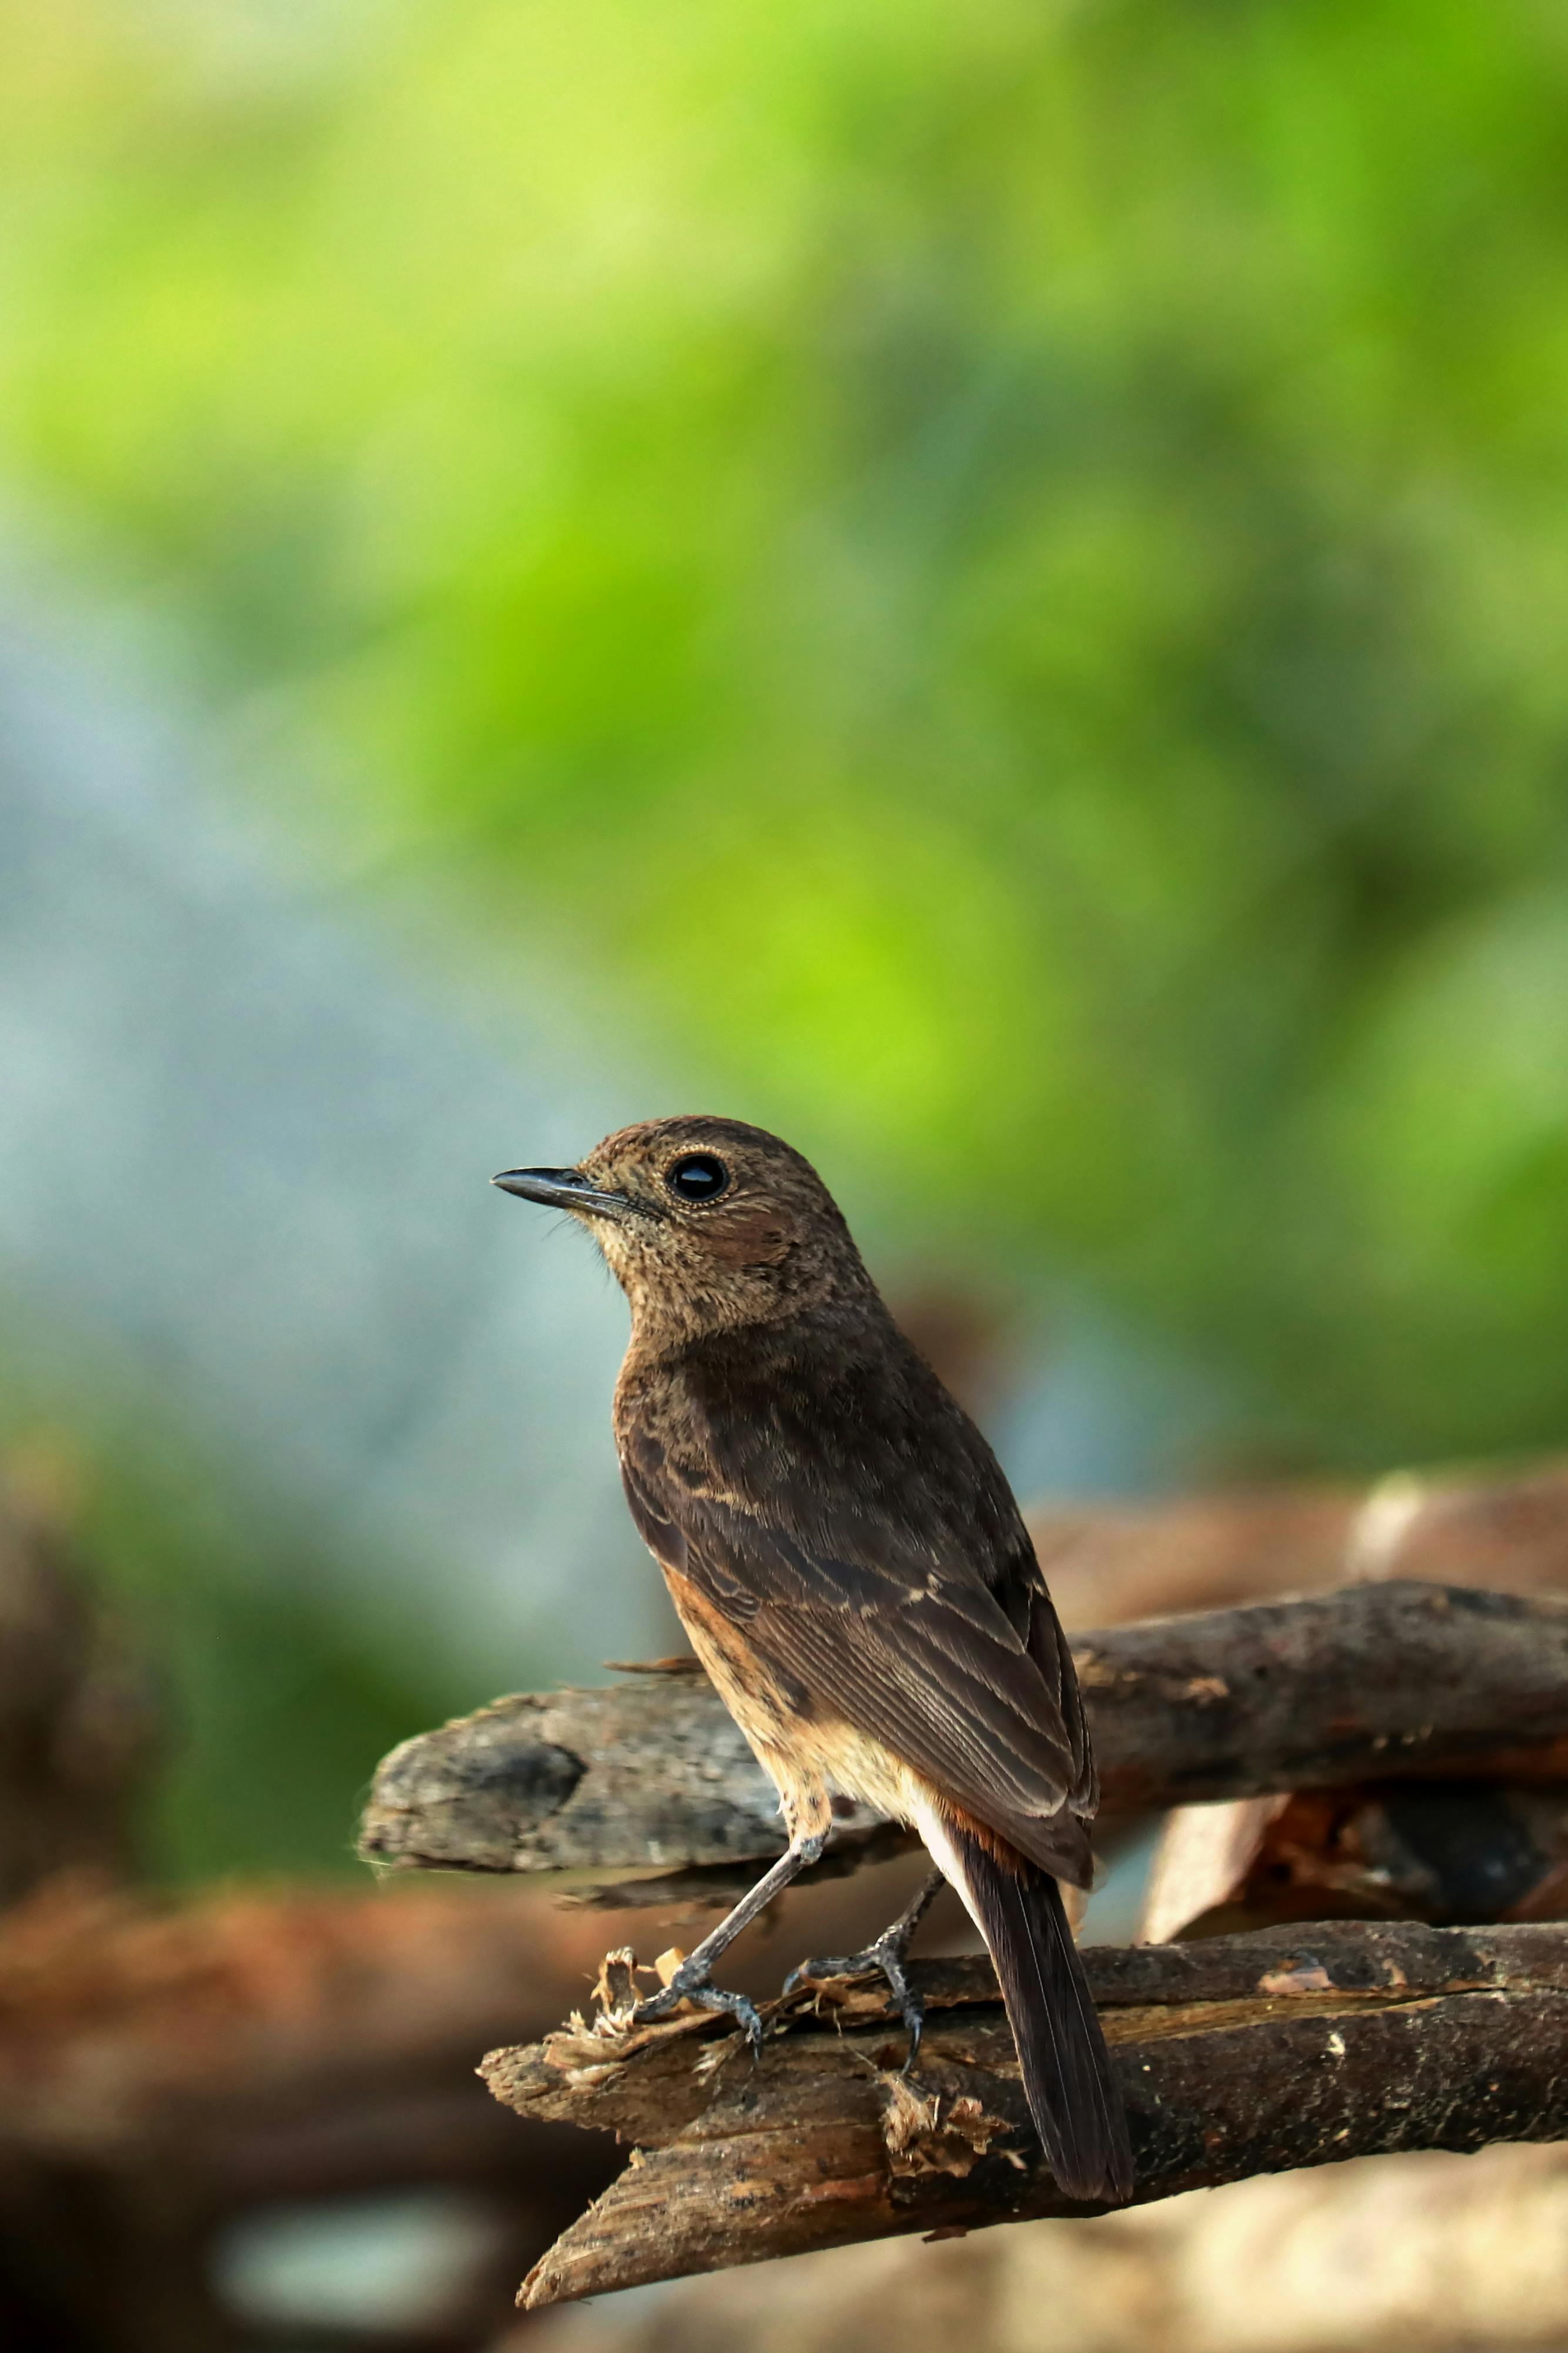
(986, 588)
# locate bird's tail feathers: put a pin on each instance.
(1072, 2094)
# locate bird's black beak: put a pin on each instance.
(562, 1188)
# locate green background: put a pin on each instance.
(995, 578)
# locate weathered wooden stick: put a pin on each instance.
(1361, 1683)
(1248, 2054)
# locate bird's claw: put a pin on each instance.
(884, 1958)
(695, 1990)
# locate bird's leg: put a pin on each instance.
(887, 1954)
(691, 1981)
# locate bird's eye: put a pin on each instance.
(698, 1177)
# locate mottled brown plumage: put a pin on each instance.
(852, 1569)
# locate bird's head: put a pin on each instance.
(708, 1224)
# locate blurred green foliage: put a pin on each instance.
(997, 574)
(277, 1711)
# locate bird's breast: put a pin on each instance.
(808, 1754)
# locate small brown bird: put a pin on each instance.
(851, 1567)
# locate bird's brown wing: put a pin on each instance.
(940, 1645)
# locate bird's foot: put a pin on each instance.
(886, 1957)
(692, 1984)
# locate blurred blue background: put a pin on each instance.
(987, 589)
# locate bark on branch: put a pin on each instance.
(1367, 1683)
(1248, 2054)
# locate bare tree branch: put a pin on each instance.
(1244, 2055)
(1364, 1684)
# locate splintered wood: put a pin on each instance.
(1244, 2055)
(1413, 1711)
